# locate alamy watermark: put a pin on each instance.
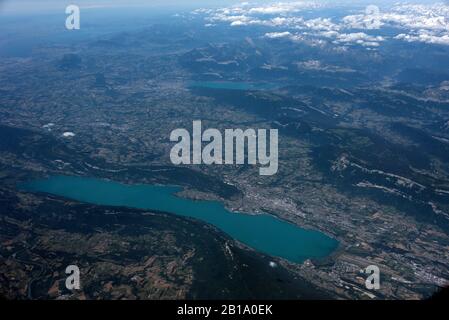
(72, 21)
(373, 279)
(189, 148)
(372, 17)
(73, 280)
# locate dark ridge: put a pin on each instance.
(441, 295)
(244, 275)
(44, 148)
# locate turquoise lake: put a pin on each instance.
(262, 232)
(233, 85)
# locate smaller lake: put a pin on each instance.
(233, 85)
(264, 233)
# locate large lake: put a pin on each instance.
(233, 85)
(262, 232)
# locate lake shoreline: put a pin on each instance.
(266, 233)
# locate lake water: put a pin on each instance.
(233, 85)
(264, 233)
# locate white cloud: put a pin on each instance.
(68, 134)
(257, 13)
(418, 16)
(428, 23)
(419, 22)
(362, 21)
(285, 34)
(425, 37)
(434, 16)
(359, 38)
(275, 35)
(283, 7)
(325, 24)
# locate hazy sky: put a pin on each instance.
(37, 6)
(49, 6)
